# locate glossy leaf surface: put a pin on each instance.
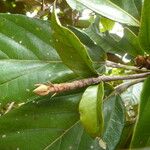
(76, 138)
(90, 109)
(130, 43)
(114, 121)
(129, 6)
(96, 53)
(101, 7)
(27, 58)
(141, 136)
(49, 123)
(72, 52)
(37, 125)
(107, 43)
(144, 34)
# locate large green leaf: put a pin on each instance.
(21, 75)
(90, 109)
(97, 54)
(138, 4)
(130, 43)
(129, 6)
(144, 34)
(23, 38)
(105, 41)
(126, 136)
(49, 123)
(131, 96)
(114, 121)
(131, 99)
(141, 136)
(76, 138)
(36, 125)
(27, 57)
(72, 52)
(107, 9)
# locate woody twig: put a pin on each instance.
(117, 65)
(44, 89)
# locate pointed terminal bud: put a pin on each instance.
(41, 89)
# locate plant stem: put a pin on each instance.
(44, 89)
(116, 65)
(122, 87)
(42, 7)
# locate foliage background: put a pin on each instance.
(31, 52)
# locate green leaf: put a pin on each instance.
(131, 99)
(108, 89)
(27, 58)
(101, 7)
(131, 96)
(23, 38)
(46, 124)
(107, 24)
(72, 52)
(105, 41)
(128, 6)
(144, 34)
(22, 75)
(114, 121)
(138, 4)
(141, 136)
(75, 5)
(130, 43)
(90, 109)
(37, 125)
(126, 136)
(76, 138)
(96, 53)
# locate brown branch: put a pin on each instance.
(122, 87)
(44, 89)
(42, 7)
(117, 65)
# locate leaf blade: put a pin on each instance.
(90, 109)
(114, 121)
(101, 7)
(43, 122)
(27, 58)
(73, 53)
(141, 135)
(144, 34)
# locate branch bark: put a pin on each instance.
(116, 65)
(124, 86)
(44, 89)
